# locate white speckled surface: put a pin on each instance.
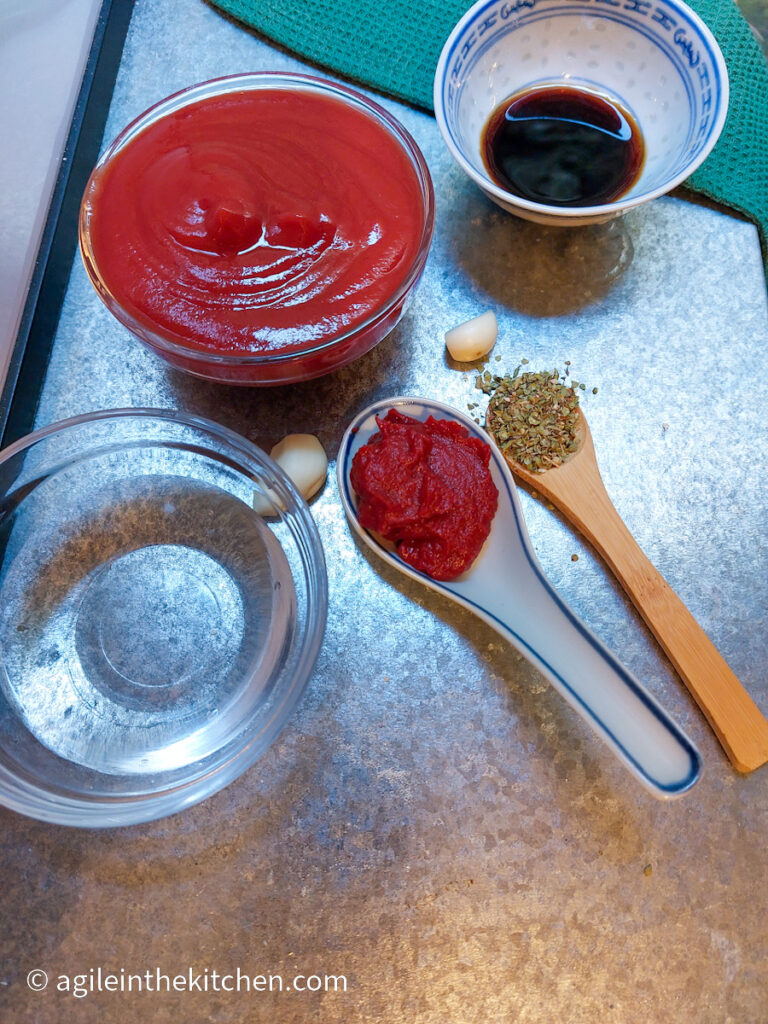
(434, 823)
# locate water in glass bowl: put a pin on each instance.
(142, 623)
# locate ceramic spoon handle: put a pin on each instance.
(591, 679)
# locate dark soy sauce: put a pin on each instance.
(563, 146)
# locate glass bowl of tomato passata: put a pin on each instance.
(259, 229)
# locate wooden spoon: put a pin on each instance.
(576, 488)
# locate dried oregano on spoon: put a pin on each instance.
(533, 417)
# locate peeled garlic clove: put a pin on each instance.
(266, 503)
(303, 459)
(474, 339)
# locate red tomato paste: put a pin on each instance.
(427, 488)
(256, 220)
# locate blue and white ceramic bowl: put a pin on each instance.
(655, 57)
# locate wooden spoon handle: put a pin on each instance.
(733, 715)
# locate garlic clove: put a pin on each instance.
(266, 502)
(303, 459)
(474, 339)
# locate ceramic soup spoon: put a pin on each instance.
(507, 588)
(576, 488)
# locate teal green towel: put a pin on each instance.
(394, 48)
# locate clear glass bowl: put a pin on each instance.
(279, 365)
(155, 631)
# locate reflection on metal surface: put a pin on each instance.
(541, 271)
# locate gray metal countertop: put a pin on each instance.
(435, 824)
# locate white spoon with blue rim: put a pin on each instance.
(507, 588)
